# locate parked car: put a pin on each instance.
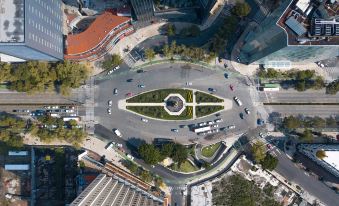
(116, 68)
(241, 115)
(129, 80)
(141, 86)
(262, 135)
(212, 90)
(202, 124)
(109, 111)
(115, 91)
(231, 127)
(218, 120)
(237, 100)
(140, 71)
(225, 65)
(110, 72)
(109, 103)
(144, 120)
(210, 122)
(247, 111)
(226, 75)
(117, 132)
(214, 126)
(130, 156)
(129, 94)
(174, 130)
(188, 83)
(231, 87)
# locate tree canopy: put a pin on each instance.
(149, 154)
(333, 87)
(150, 54)
(269, 162)
(11, 130)
(111, 61)
(321, 154)
(37, 76)
(170, 29)
(241, 9)
(307, 136)
(259, 151)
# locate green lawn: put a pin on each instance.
(204, 97)
(160, 113)
(210, 150)
(185, 167)
(206, 110)
(158, 96)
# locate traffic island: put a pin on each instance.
(175, 104)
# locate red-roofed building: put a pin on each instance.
(98, 38)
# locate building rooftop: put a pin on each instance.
(104, 25)
(310, 22)
(332, 158)
(12, 21)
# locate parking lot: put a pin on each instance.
(172, 76)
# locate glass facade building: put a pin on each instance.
(32, 29)
(268, 42)
(143, 9)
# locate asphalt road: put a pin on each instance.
(293, 96)
(315, 187)
(169, 76)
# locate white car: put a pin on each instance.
(109, 103)
(210, 122)
(218, 120)
(109, 111)
(215, 130)
(130, 156)
(202, 124)
(262, 135)
(110, 72)
(144, 120)
(115, 91)
(118, 133)
(116, 68)
(247, 111)
(214, 126)
(231, 127)
(237, 100)
(188, 83)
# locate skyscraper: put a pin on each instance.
(31, 29)
(288, 34)
(143, 9)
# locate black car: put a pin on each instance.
(212, 90)
(226, 75)
(241, 115)
(129, 80)
(140, 71)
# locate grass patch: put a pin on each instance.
(160, 113)
(186, 166)
(209, 151)
(204, 97)
(158, 96)
(3, 86)
(206, 110)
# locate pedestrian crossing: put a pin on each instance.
(128, 59)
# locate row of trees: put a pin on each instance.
(145, 175)
(293, 122)
(152, 155)
(262, 157)
(51, 128)
(301, 80)
(11, 130)
(35, 76)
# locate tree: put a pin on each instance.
(258, 151)
(318, 122)
(112, 61)
(291, 122)
(331, 122)
(300, 85)
(318, 83)
(150, 54)
(179, 154)
(158, 181)
(146, 176)
(167, 51)
(170, 29)
(333, 87)
(167, 149)
(321, 154)
(5, 72)
(269, 162)
(149, 154)
(241, 9)
(307, 136)
(132, 167)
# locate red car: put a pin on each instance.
(231, 87)
(129, 94)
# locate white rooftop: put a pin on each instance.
(12, 21)
(303, 4)
(332, 159)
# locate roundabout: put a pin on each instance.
(172, 77)
(179, 104)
